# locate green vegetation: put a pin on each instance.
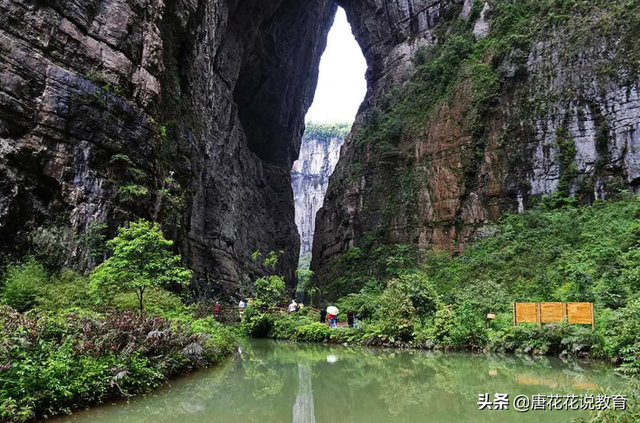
(431, 300)
(460, 77)
(557, 252)
(305, 279)
(140, 260)
(54, 363)
(269, 290)
(68, 340)
(326, 131)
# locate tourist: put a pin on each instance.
(216, 310)
(241, 307)
(356, 323)
(323, 316)
(334, 321)
(293, 306)
(350, 318)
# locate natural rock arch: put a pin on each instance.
(212, 93)
(191, 112)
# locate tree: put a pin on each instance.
(141, 259)
(269, 289)
(422, 294)
(305, 285)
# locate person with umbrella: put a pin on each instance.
(332, 314)
(293, 306)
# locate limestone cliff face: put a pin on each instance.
(310, 175)
(188, 112)
(478, 109)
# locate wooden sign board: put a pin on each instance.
(575, 313)
(581, 313)
(525, 313)
(552, 312)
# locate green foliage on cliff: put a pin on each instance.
(568, 254)
(21, 284)
(326, 131)
(463, 77)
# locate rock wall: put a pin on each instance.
(191, 112)
(310, 176)
(479, 109)
(188, 112)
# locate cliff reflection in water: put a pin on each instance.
(275, 382)
(303, 408)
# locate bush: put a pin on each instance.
(64, 291)
(51, 364)
(621, 333)
(285, 325)
(21, 285)
(395, 313)
(443, 323)
(629, 415)
(363, 303)
(313, 332)
(157, 301)
(469, 327)
(558, 339)
(257, 325)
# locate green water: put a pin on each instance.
(273, 382)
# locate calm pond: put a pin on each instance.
(277, 382)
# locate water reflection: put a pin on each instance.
(317, 383)
(303, 408)
(578, 382)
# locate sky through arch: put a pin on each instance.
(341, 83)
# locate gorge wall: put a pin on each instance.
(476, 109)
(310, 175)
(190, 112)
(186, 112)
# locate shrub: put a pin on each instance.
(621, 333)
(64, 291)
(395, 311)
(313, 332)
(257, 325)
(270, 290)
(21, 285)
(443, 323)
(285, 325)
(631, 414)
(364, 303)
(157, 301)
(53, 364)
(469, 327)
(558, 339)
